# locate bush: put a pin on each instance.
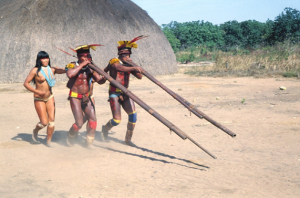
(246, 52)
(186, 57)
(203, 50)
(191, 57)
(290, 74)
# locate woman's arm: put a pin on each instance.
(58, 70)
(29, 78)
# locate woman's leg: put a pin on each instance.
(40, 108)
(50, 106)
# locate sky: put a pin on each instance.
(214, 11)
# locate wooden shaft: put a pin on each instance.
(167, 123)
(139, 102)
(206, 151)
(206, 117)
(185, 103)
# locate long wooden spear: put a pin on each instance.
(167, 123)
(184, 102)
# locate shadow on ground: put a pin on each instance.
(203, 168)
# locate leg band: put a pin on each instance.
(75, 127)
(89, 140)
(40, 125)
(132, 117)
(92, 124)
(51, 124)
(114, 122)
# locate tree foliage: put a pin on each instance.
(286, 26)
(195, 33)
(174, 42)
(230, 35)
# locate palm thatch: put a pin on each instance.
(29, 26)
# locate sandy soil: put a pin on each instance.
(262, 161)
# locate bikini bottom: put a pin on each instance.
(44, 100)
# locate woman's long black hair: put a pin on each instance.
(40, 55)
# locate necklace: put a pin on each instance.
(50, 77)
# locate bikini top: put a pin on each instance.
(50, 80)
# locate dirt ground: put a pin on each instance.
(262, 161)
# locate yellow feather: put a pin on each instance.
(94, 48)
(134, 45)
(82, 47)
(70, 66)
(128, 44)
(114, 60)
(121, 42)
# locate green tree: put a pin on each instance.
(286, 26)
(233, 33)
(196, 33)
(174, 42)
(267, 32)
(252, 33)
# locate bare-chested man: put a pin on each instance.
(120, 71)
(79, 75)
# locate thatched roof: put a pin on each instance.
(29, 26)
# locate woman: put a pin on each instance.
(42, 75)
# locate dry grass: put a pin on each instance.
(258, 61)
(282, 60)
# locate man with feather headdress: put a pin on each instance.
(79, 75)
(120, 71)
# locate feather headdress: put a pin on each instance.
(85, 48)
(127, 45)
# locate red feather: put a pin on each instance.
(73, 50)
(63, 51)
(138, 38)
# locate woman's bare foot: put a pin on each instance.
(34, 138)
(49, 144)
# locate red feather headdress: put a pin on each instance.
(130, 44)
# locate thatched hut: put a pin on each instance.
(29, 26)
